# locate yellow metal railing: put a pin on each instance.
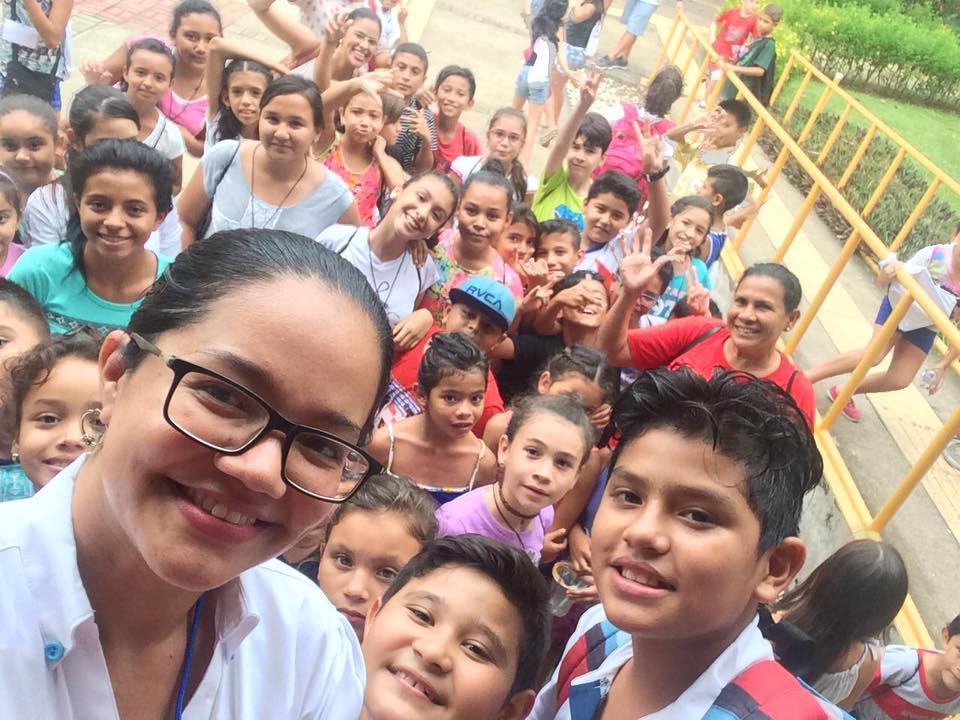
(678, 51)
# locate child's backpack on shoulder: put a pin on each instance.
(764, 691)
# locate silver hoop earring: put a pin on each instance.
(92, 428)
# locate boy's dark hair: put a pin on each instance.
(588, 362)
(386, 492)
(458, 71)
(575, 278)
(194, 7)
(618, 184)
(25, 306)
(595, 132)
(739, 110)
(746, 419)
(682, 309)
(792, 292)
(774, 12)
(393, 106)
(523, 213)
(449, 354)
(412, 48)
(953, 627)
(560, 226)
(510, 568)
(852, 595)
(664, 90)
(731, 183)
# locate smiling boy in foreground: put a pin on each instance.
(696, 528)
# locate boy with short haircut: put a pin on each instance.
(578, 151)
(461, 633)
(758, 65)
(480, 308)
(722, 131)
(417, 140)
(559, 248)
(455, 89)
(611, 202)
(697, 527)
(725, 187)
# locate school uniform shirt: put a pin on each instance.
(48, 272)
(398, 282)
(464, 142)
(749, 648)
(47, 212)
(666, 346)
(402, 399)
(282, 650)
(604, 259)
(166, 139)
(899, 690)
(556, 199)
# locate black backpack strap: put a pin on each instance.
(793, 377)
(342, 250)
(706, 334)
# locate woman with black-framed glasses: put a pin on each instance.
(138, 576)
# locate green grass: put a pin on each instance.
(932, 132)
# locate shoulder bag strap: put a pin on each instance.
(701, 337)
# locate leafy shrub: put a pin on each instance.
(895, 205)
(878, 45)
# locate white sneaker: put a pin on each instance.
(951, 453)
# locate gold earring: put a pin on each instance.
(92, 428)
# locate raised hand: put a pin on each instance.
(698, 297)
(536, 272)
(651, 148)
(336, 28)
(636, 268)
(589, 86)
(95, 74)
(537, 298)
(553, 544)
(376, 81)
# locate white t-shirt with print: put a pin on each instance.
(166, 138)
(398, 282)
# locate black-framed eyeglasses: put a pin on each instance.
(223, 415)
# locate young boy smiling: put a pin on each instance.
(459, 635)
(579, 150)
(696, 528)
(611, 202)
(455, 89)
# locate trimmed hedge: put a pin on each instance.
(895, 205)
(876, 45)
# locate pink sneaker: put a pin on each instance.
(850, 410)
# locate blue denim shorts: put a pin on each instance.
(636, 16)
(535, 93)
(576, 58)
(921, 337)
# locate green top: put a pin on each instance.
(556, 199)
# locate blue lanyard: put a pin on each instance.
(188, 658)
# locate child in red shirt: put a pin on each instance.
(455, 89)
(734, 28)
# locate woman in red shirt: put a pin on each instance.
(765, 305)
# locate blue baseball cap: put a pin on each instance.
(490, 298)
